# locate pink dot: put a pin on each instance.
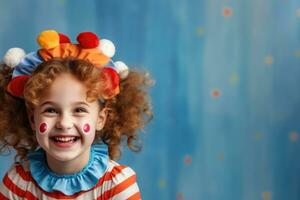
(187, 159)
(293, 136)
(43, 127)
(179, 196)
(86, 128)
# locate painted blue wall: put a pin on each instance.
(226, 99)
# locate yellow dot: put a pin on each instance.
(200, 30)
(266, 195)
(269, 60)
(297, 53)
(234, 79)
(161, 183)
(221, 156)
(298, 12)
(258, 136)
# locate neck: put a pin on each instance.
(68, 167)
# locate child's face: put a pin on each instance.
(65, 123)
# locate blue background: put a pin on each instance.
(226, 98)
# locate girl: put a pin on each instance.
(66, 112)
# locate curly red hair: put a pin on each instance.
(128, 112)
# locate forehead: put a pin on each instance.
(64, 89)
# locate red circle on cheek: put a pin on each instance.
(43, 127)
(86, 128)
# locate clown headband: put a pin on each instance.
(53, 45)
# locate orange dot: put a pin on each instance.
(297, 53)
(266, 195)
(227, 12)
(221, 156)
(269, 60)
(216, 93)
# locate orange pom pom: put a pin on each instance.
(48, 39)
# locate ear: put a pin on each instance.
(101, 119)
(30, 115)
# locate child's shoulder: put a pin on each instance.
(114, 169)
(120, 181)
(19, 170)
(16, 180)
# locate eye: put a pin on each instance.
(50, 110)
(80, 110)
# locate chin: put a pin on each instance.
(64, 158)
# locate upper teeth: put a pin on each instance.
(64, 139)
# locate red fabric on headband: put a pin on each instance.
(17, 84)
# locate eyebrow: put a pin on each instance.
(75, 103)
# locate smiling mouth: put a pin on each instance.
(65, 139)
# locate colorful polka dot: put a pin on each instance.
(187, 160)
(298, 12)
(200, 30)
(266, 195)
(297, 53)
(179, 196)
(227, 12)
(234, 79)
(161, 183)
(221, 156)
(293, 136)
(258, 136)
(268, 60)
(216, 93)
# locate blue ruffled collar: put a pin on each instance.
(69, 184)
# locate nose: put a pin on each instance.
(64, 122)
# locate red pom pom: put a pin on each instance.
(16, 85)
(112, 81)
(88, 40)
(63, 38)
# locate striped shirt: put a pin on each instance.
(118, 182)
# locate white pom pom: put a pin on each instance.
(107, 47)
(122, 69)
(14, 56)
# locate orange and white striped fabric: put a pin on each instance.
(118, 182)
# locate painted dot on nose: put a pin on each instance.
(43, 127)
(86, 128)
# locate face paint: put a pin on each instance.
(43, 127)
(86, 128)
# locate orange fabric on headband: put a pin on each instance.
(71, 50)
